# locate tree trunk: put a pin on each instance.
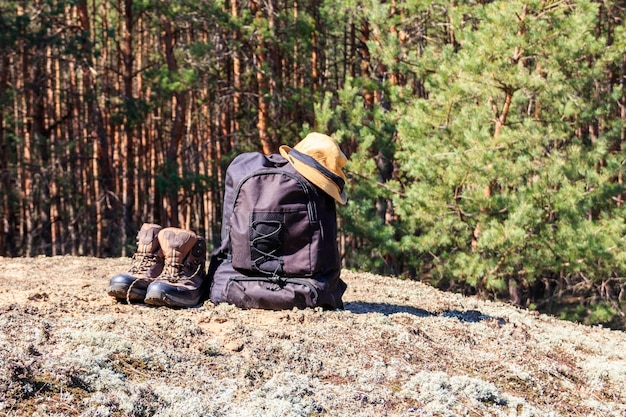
(179, 106)
(315, 51)
(5, 181)
(102, 168)
(260, 58)
(23, 105)
(236, 71)
(127, 139)
(364, 37)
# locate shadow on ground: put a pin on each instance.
(467, 316)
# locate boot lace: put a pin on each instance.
(141, 262)
(174, 272)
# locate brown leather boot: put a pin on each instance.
(146, 265)
(181, 283)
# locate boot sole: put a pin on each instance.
(121, 293)
(170, 300)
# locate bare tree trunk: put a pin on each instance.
(76, 129)
(102, 169)
(22, 106)
(260, 58)
(179, 105)
(234, 128)
(315, 51)
(127, 139)
(5, 181)
(620, 145)
(141, 162)
(54, 108)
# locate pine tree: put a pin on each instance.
(504, 141)
(509, 185)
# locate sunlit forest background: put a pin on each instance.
(486, 138)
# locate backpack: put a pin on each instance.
(278, 241)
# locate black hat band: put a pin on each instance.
(312, 162)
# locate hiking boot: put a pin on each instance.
(146, 265)
(181, 283)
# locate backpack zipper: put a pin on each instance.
(303, 185)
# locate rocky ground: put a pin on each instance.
(400, 348)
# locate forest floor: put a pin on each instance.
(399, 348)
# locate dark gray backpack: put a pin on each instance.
(279, 239)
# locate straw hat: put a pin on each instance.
(320, 160)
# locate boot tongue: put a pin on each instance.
(147, 241)
(176, 243)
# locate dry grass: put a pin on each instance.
(399, 348)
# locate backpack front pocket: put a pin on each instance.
(272, 243)
(270, 294)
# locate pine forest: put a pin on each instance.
(486, 138)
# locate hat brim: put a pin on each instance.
(315, 176)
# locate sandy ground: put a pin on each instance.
(399, 348)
